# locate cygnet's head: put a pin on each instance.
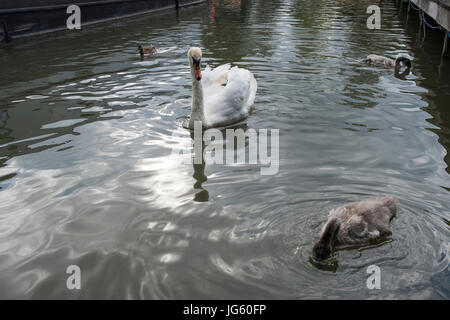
(321, 251)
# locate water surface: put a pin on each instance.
(88, 176)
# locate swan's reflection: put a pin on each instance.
(199, 175)
(199, 169)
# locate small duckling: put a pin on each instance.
(387, 62)
(147, 50)
(356, 223)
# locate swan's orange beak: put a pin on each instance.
(197, 72)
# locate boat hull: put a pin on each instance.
(28, 17)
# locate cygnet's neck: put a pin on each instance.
(329, 235)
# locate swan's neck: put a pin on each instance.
(197, 112)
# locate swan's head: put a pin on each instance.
(195, 57)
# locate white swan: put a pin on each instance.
(221, 96)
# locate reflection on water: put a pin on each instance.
(199, 175)
(89, 176)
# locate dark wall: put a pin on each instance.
(35, 16)
(11, 4)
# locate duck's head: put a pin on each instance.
(195, 57)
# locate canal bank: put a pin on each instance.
(433, 15)
(26, 17)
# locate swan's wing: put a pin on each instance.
(242, 87)
(230, 103)
(216, 76)
(238, 95)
